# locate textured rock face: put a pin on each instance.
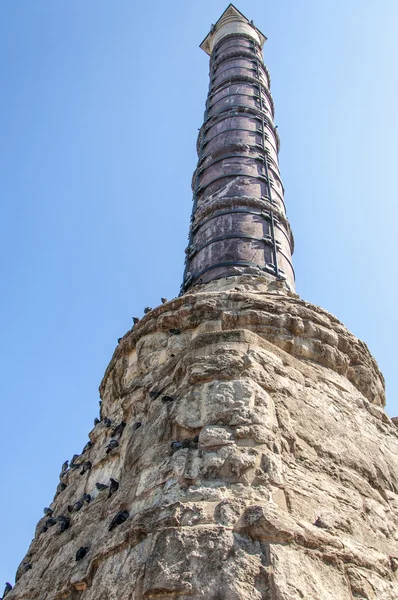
(250, 416)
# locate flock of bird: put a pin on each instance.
(147, 310)
(64, 521)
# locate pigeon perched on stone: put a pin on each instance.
(167, 399)
(136, 320)
(154, 395)
(60, 487)
(65, 466)
(96, 421)
(175, 331)
(44, 528)
(119, 429)
(73, 464)
(26, 566)
(185, 444)
(86, 467)
(114, 486)
(64, 523)
(176, 445)
(147, 309)
(51, 522)
(163, 300)
(86, 498)
(87, 447)
(111, 446)
(7, 589)
(101, 486)
(75, 507)
(118, 519)
(137, 425)
(107, 422)
(47, 511)
(321, 524)
(81, 553)
(119, 340)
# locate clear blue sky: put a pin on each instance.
(100, 104)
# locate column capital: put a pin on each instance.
(231, 21)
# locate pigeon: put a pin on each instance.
(167, 399)
(112, 444)
(73, 464)
(44, 529)
(321, 524)
(26, 566)
(154, 395)
(163, 300)
(65, 466)
(86, 498)
(101, 486)
(113, 487)
(147, 309)
(176, 446)
(48, 512)
(75, 507)
(119, 340)
(137, 425)
(50, 522)
(185, 444)
(7, 589)
(119, 429)
(118, 519)
(175, 331)
(86, 467)
(136, 320)
(107, 422)
(60, 487)
(96, 421)
(64, 523)
(87, 447)
(81, 553)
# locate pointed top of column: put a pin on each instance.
(231, 21)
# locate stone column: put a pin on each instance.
(243, 452)
(238, 223)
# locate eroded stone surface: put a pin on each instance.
(261, 414)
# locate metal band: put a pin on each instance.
(230, 36)
(233, 263)
(288, 261)
(229, 211)
(252, 58)
(258, 114)
(257, 147)
(231, 129)
(214, 77)
(225, 157)
(234, 94)
(200, 188)
(253, 81)
(244, 236)
(217, 47)
(249, 55)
